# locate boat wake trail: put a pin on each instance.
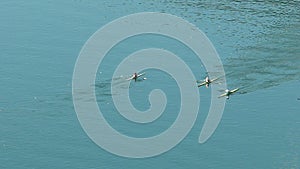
(263, 67)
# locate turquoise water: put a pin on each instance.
(258, 43)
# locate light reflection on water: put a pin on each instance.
(261, 39)
(258, 41)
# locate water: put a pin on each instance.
(258, 43)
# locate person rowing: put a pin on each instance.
(135, 76)
(227, 93)
(206, 82)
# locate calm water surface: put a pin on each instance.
(258, 43)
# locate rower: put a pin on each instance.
(207, 81)
(135, 76)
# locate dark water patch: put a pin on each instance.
(262, 37)
(103, 87)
